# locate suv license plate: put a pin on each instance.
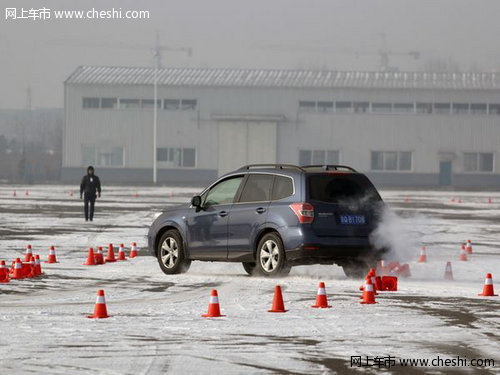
(352, 219)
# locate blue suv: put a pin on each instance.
(272, 217)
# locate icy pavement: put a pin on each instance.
(156, 325)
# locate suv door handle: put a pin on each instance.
(260, 210)
(223, 213)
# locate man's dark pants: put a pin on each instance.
(89, 200)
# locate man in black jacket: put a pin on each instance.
(90, 185)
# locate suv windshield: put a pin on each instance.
(341, 188)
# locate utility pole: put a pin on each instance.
(157, 51)
(155, 105)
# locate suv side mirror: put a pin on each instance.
(196, 201)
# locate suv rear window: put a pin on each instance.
(283, 187)
(338, 188)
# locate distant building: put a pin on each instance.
(30, 144)
(403, 129)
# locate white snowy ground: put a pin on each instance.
(156, 325)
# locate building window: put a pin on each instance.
(130, 103)
(90, 103)
(478, 162)
(361, 107)
(171, 104)
(403, 107)
(188, 104)
(381, 107)
(109, 103)
(460, 108)
(307, 106)
(105, 156)
(150, 103)
(391, 160)
(176, 157)
(88, 155)
(325, 106)
(494, 109)
(343, 107)
(188, 157)
(442, 108)
(110, 157)
(319, 157)
(424, 107)
(478, 108)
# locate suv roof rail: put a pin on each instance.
(330, 167)
(276, 166)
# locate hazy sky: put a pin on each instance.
(333, 34)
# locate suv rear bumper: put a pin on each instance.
(313, 254)
(305, 247)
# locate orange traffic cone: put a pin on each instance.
(30, 268)
(52, 255)
(389, 283)
(373, 278)
(468, 247)
(213, 306)
(463, 255)
(28, 254)
(90, 258)
(448, 273)
(368, 293)
(121, 253)
(38, 266)
(17, 272)
(488, 287)
(133, 251)
(321, 300)
(111, 254)
(4, 273)
(423, 255)
(100, 311)
(278, 305)
(99, 258)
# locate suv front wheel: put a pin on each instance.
(271, 257)
(171, 253)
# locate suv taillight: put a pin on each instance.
(304, 211)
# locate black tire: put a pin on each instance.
(170, 253)
(271, 260)
(249, 267)
(356, 269)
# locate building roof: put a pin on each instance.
(279, 78)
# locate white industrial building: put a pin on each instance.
(401, 128)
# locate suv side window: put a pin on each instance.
(224, 192)
(257, 188)
(283, 187)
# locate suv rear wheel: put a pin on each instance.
(171, 253)
(355, 269)
(271, 257)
